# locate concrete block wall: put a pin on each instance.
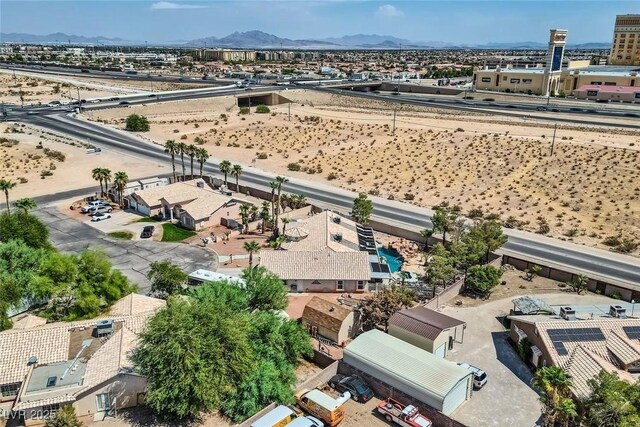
(384, 391)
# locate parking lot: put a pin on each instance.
(131, 257)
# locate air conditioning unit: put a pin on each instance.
(617, 311)
(567, 313)
(104, 327)
(337, 219)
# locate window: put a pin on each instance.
(515, 80)
(527, 81)
(49, 411)
(637, 95)
(360, 285)
(592, 93)
(51, 381)
(340, 285)
(486, 79)
(103, 402)
(504, 78)
(9, 390)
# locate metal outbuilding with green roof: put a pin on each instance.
(439, 383)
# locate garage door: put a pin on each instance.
(144, 210)
(456, 397)
(440, 351)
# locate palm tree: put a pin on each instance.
(279, 181)
(286, 220)
(554, 383)
(120, 181)
(172, 148)
(299, 201)
(202, 155)
(251, 247)
(274, 188)
(96, 174)
(25, 204)
(254, 212)
(244, 215)
(182, 150)
(6, 185)
(106, 177)
(426, 235)
(225, 168)
(191, 152)
(236, 170)
(286, 200)
(265, 215)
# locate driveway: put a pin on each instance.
(124, 221)
(130, 257)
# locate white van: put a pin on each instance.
(479, 376)
(280, 416)
(307, 421)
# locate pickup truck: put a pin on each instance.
(406, 416)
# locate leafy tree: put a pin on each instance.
(64, 417)
(166, 278)
(5, 187)
(251, 248)
(136, 123)
(362, 208)
(265, 290)
(481, 279)
(171, 148)
(193, 354)
(225, 168)
(25, 204)
(25, 227)
(579, 284)
(490, 232)
(376, 310)
(612, 402)
(467, 250)
(226, 293)
(531, 273)
(439, 269)
(444, 219)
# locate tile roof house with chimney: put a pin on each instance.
(193, 203)
(84, 364)
(327, 253)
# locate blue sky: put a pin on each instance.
(476, 22)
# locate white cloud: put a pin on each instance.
(169, 5)
(388, 11)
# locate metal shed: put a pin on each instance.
(438, 383)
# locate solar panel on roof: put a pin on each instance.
(560, 336)
(632, 332)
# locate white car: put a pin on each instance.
(100, 217)
(479, 376)
(92, 205)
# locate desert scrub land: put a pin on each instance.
(492, 166)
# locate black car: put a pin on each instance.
(359, 390)
(147, 231)
(123, 103)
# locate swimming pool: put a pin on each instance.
(393, 258)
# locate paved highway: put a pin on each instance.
(598, 264)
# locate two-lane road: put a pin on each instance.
(598, 264)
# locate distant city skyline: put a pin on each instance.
(461, 22)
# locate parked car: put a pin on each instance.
(479, 376)
(359, 390)
(394, 411)
(323, 406)
(93, 204)
(147, 231)
(279, 416)
(101, 210)
(100, 217)
(541, 108)
(307, 421)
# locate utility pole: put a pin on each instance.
(289, 111)
(553, 141)
(394, 121)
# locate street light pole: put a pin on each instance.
(553, 141)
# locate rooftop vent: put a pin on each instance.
(200, 184)
(617, 311)
(32, 360)
(338, 237)
(104, 327)
(337, 219)
(332, 308)
(567, 313)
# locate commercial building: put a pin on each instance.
(327, 253)
(625, 47)
(403, 367)
(228, 55)
(427, 329)
(84, 364)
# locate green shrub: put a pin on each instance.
(332, 176)
(245, 110)
(136, 123)
(294, 167)
(262, 109)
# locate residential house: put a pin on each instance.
(427, 329)
(391, 365)
(193, 203)
(326, 319)
(84, 364)
(582, 347)
(327, 253)
(139, 185)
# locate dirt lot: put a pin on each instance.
(38, 173)
(501, 166)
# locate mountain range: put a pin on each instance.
(261, 40)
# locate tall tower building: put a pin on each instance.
(555, 55)
(625, 48)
